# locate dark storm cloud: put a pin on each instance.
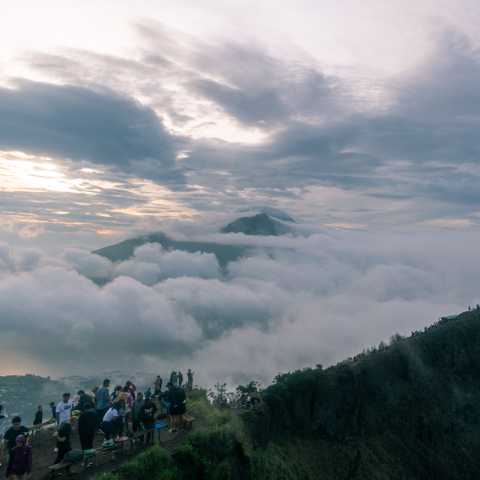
(421, 143)
(99, 126)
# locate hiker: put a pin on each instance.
(131, 388)
(136, 409)
(180, 378)
(63, 441)
(111, 423)
(13, 432)
(20, 460)
(3, 427)
(189, 380)
(64, 409)
(173, 378)
(87, 426)
(147, 416)
(53, 410)
(158, 386)
(102, 400)
(3, 421)
(125, 400)
(38, 420)
(177, 407)
(115, 397)
(83, 399)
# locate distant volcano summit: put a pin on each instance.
(260, 224)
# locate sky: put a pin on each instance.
(358, 118)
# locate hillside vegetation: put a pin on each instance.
(409, 410)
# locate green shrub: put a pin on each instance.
(154, 464)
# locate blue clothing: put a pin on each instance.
(102, 398)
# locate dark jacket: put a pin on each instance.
(147, 412)
(88, 422)
(20, 461)
(38, 418)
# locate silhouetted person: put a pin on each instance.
(13, 432)
(63, 441)
(180, 379)
(38, 420)
(20, 459)
(147, 416)
(158, 386)
(136, 409)
(87, 426)
(53, 410)
(102, 400)
(189, 380)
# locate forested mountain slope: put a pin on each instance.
(407, 411)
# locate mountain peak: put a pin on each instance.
(260, 224)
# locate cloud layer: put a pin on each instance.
(312, 300)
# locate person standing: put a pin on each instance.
(189, 380)
(38, 420)
(20, 459)
(158, 386)
(173, 378)
(136, 409)
(83, 399)
(53, 410)
(3, 428)
(13, 432)
(87, 426)
(180, 379)
(177, 407)
(64, 409)
(63, 441)
(147, 416)
(102, 399)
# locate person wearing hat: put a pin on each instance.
(20, 460)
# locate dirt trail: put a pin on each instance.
(43, 444)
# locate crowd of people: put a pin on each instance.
(117, 414)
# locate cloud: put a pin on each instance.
(151, 264)
(315, 299)
(85, 124)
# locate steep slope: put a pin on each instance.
(407, 411)
(261, 224)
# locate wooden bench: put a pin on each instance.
(59, 468)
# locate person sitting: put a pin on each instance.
(87, 426)
(111, 423)
(20, 459)
(63, 441)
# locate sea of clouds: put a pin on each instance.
(293, 302)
